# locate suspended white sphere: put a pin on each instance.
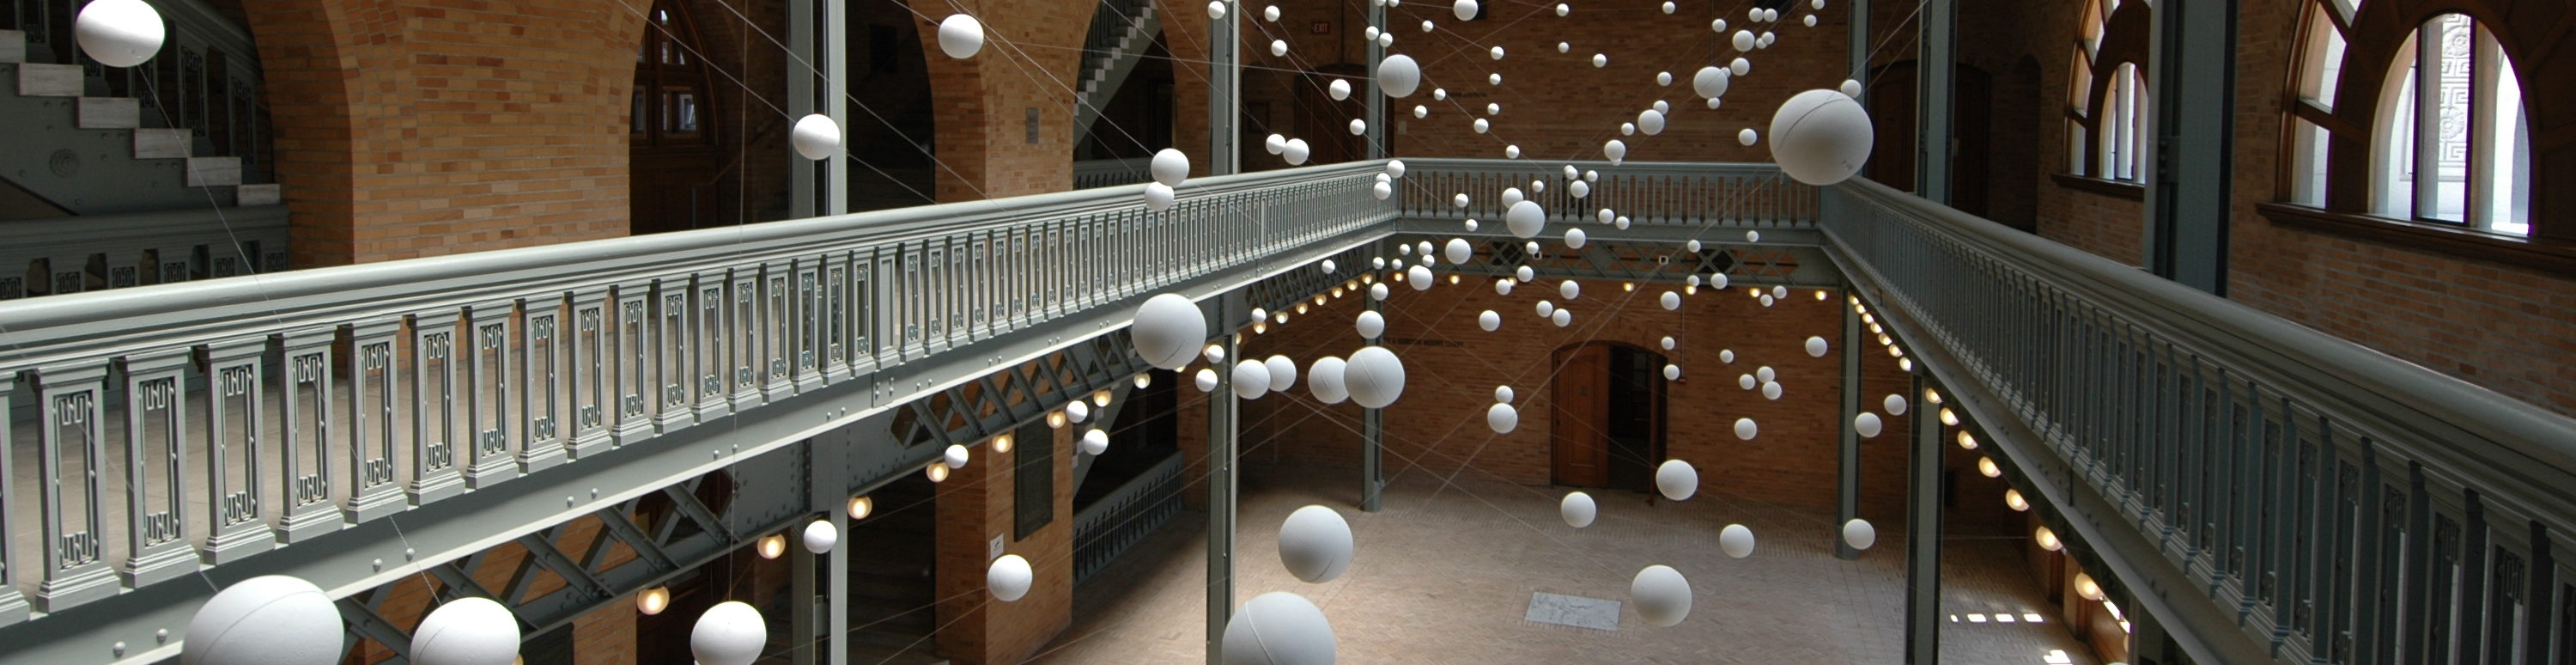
(1009, 578)
(1278, 47)
(1717, 26)
(1816, 4)
(119, 33)
(1569, 289)
(1578, 189)
(1275, 144)
(1672, 372)
(1736, 541)
(1747, 136)
(1371, 324)
(815, 136)
(1749, 236)
(1766, 374)
(960, 36)
(1283, 372)
(1378, 291)
(1278, 628)
(1297, 152)
(1530, 247)
(1375, 377)
(1502, 418)
(1270, 13)
(1167, 330)
(1525, 219)
(1459, 200)
(1746, 382)
(1599, 60)
(1471, 226)
(1370, 34)
(1577, 509)
(1615, 150)
(1867, 425)
(1159, 197)
(1726, 356)
(1621, 222)
(1324, 380)
(1216, 9)
(1315, 544)
(1691, 246)
(1662, 595)
(1426, 27)
(1095, 441)
(1503, 394)
(1497, 52)
(1743, 40)
(1206, 380)
(1810, 20)
(1251, 379)
(820, 536)
(1170, 167)
(956, 456)
(1398, 75)
(731, 633)
(1692, 280)
(1627, 129)
(1765, 40)
(1714, 102)
(1395, 168)
(1440, 94)
(1482, 126)
(1821, 137)
(1895, 405)
(1457, 251)
(1677, 480)
(1670, 300)
(1562, 47)
(1381, 190)
(1709, 82)
(1851, 88)
(1488, 320)
(1385, 39)
(1562, 317)
(1420, 112)
(1465, 10)
(466, 631)
(1667, 342)
(1859, 534)
(1740, 66)
(1771, 390)
(1650, 121)
(1524, 273)
(1816, 347)
(1511, 152)
(1574, 238)
(1661, 107)
(1562, 9)
(1257, 315)
(1745, 429)
(1074, 411)
(1418, 277)
(1358, 127)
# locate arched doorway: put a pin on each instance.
(1608, 429)
(675, 152)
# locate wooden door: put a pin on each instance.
(1580, 450)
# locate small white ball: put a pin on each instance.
(1270, 13)
(1562, 318)
(1216, 9)
(1370, 324)
(1621, 222)
(1677, 480)
(1398, 75)
(731, 633)
(1503, 394)
(1743, 40)
(1545, 309)
(1859, 534)
(1746, 382)
(1745, 429)
(1385, 39)
(1851, 88)
(1370, 34)
(1736, 541)
(1171, 167)
(1205, 380)
(956, 456)
(1569, 289)
(1471, 226)
(1574, 238)
(1382, 191)
(1489, 321)
(1502, 418)
(1457, 251)
(1315, 544)
(1562, 47)
(1525, 219)
(1810, 20)
(1009, 578)
(1627, 129)
(1867, 425)
(1492, 108)
(1670, 300)
(1465, 10)
(1324, 380)
(1668, 7)
(1503, 287)
(1419, 111)
(1511, 152)
(1740, 66)
(1662, 595)
(1283, 372)
(1650, 121)
(119, 33)
(821, 536)
(1749, 236)
(1358, 127)
(1667, 342)
(1497, 52)
(1710, 82)
(1378, 291)
(1766, 374)
(1663, 78)
(1074, 411)
(1672, 372)
(1615, 150)
(1524, 273)
(1278, 47)
(960, 36)
(1297, 152)
(1895, 405)
(1691, 246)
(1747, 136)
(1816, 347)
(1771, 390)
(1251, 379)
(1578, 189)
(1726, 356)
(815, 136)
(1339, 89)
(1577, 509)
(1482, 125)
(1275, 144)
(1418, 277)
(1599, 60)
(1440, 94)
(1562, 9)
(1459, 200)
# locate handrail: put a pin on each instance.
(141, 248)
(1693, 194)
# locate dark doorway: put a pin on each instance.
(1891, 107)
(676, 148)
(1609, 417)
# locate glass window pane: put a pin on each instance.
(2504, 179)
(2449, 117)
(2393, 172)
(2308, 163)
(2324, 62)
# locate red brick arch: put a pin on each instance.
(1032, 57)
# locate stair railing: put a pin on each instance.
(205, 79)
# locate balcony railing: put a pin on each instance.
(2331, 501)
(1093, 173)
(1667, 194)
(159, 428)
(94, 252)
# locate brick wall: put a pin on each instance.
(1030, 60)
(975, 505)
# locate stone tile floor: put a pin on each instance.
(1445, 575)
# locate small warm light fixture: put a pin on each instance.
(1100, 397)
(1865, 317)
(2013, 500)
(1144, 379)
(1754, 291)
(1281, 317)
(1690, 290)
(1261, 328)
(1967, 441)
(1002, 444)
(2086, 587)
(1986, 467)
(860, 506)
(1319, 301)
(1883, 339)
(773, 545)
(1906, 364)
(1932, 395)
(2047, 539)
(1855, 303)
(1949, 417)
(1820, 296)
(652, 601)
(1055, 419)
(1628, 286)
(1301, 309)
(1894, 351)
(1337, 292)
(1453, 278)
(1367, 278)
(938, 471)
(1874, 329)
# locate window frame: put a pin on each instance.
(2110, 108)
(657, 80)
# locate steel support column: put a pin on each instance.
(1860, 45)
(822, 615)
(1372, 444)
(1230, 308)
(818, 34)
(2194, 78)
(1225, 94)
(1923, 534)
(1933, 96)
(1376, 115)
(1847, 469)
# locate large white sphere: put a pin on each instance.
(1465, 10)
(1745, 429)
(956, 456)
(814, 137)
(1095, 441)
(960, 36)
(265, 620)
(1816, 346)
(821, 536)
(466, 631)
(1457, 251)
(119, 33)
(1710, 82)
(1283, 372)
(1502, 418)
(1662, 596)
(1867, 424)
(1650, 121)
(1398, 75)
(1578, 189)
(1771, 390)
(1159, 196)
(1575, 238)
(1419, 277)
(1315, 544)
(1370, 324)
(1821, 137)
(1561, 317)
(1525, 219)
(1489, 320)
(1167, 331)
(1009, 577)
(1524, 273)
(1075, 411)
(1895, 404)
(1677, 480)
(1672, 372)
(1859, 534)
(1205, 379)
(1577, 509)
(1297, 152)
(1512, 196)
(1743, 40)
(1374, 376)
(1170, 167)
(731, 633)
(1278, 628)
(1735, 540)
(1278, 47)
(1324, 379)
(1395, 168)
(1614, 150)
(1670, 300)
(1251, 379)
(1569, 289)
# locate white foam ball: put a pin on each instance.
(1278, 47)
(1009, 578)
(1270, 13)
(1398, 75)
(1766, 374)
(1867, 425)
(1296, 152)
(1821, 137)
(1895, 405)
(1251, 379)
(1677, 480)
(820, 536)
(1574, 238)
(1736, 541)
(1502, 418)
(1375, 377)
(1370, 324)
(1816, 347)
(1717, 26)
(1497, 52)
(119, 33)
(815, 136)
(1627, 129)
(1159, 197)
(956, 456)
(1385, 39)
(1275, 144)
(1562, 9)
(1740, 66)
(1420, 112)
(1524, 273)
(1283, 372)
(1662, 595)
(1315, 544)
(1489, 321)
(1278, 628)
(1745, 429)
(1370, 34)
(1471, 225)
(1324, 380)
(1667, 342)
(1726, 356)
(1743, 40)
(1621, 222)
(1095, 441)
(1709, 82)
(1599, 60)
(1378, 291)
(1577, 509)
(1810, 20)
(1749, 236)
(1569, 289)
(1672, 372)
(1512, 152)
(1663, 78)
(1418, 277)
(1771, 390)
(1381, 190)
(1562, 47)
(731, 633)
(1216, 9)
(1670, 300)
(1668, 7)
(1562, 317)
(1578, 189)
(1745, 381)
(1358, 127)
(960, 36)
(1691, 246)
(1167, 330)
(1851, 88)
(1482, 126)
(1206, 380)
(1171, 167)
(1459, 200)
(1525, 219)
(1457, 251)
(1075, 411)
(1395, 168)
(1615, 150)
(1650, 121)
(1530, 247)
(1440, 94)
(1859, 534)
(1465, 10)
(1747, 136)
(1765, 40)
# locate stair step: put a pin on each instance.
(36, 79)
(214, 171)
(259, 195)
(156, 143)
(13, 46)
(110, 113)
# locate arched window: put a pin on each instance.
(2107, 109)
(2460, 155)
(672, 107)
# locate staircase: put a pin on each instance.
(183, 131)
(1120, 32)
